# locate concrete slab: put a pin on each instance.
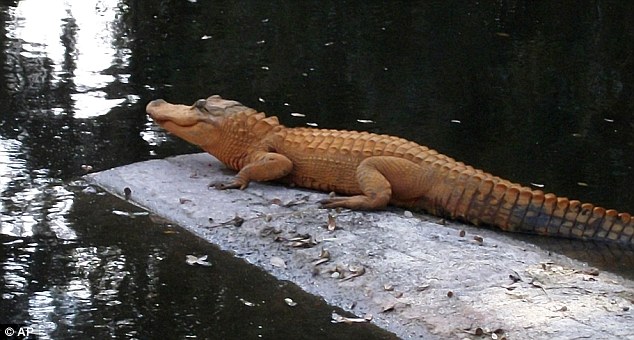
(415, 275)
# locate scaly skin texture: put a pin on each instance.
(377, 170)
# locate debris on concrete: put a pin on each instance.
(414, 275)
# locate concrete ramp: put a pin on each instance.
(414, 275)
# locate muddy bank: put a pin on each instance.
(414, 275)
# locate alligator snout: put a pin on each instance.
(154, 103)
(153, 106)
(157, 102)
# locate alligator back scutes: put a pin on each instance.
(364, 144)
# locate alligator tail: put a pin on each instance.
(480, 198)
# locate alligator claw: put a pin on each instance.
(333, 202)
(229, 185)
(225, 186)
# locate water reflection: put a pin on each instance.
(86, 282)
(10, 166)
(62, 59)
(31, 202)
(65, 62)
(67, 46)
(33, 207)
(11, 169)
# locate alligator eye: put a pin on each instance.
(200, 104)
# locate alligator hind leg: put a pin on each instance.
(383, 179)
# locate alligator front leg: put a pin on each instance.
(264, 166)
(383, 179)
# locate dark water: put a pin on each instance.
(540, 93)
(124, 277)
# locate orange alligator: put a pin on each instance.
(376, 170)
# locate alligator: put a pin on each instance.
(374, 171)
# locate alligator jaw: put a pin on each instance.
(163, 112)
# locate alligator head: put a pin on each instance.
(224, 128)
(194, 123)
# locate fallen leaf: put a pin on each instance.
(423, 287)
(193, 260)
(290, 302)
(121, 213)
(278, 262)
(336, 318)
(247, 303)
(320, 261)
(389, 306)
(355, 271)
(324, 256)
(332, 224)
